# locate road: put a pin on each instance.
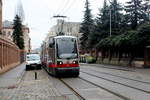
(95, 82)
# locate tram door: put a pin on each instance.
(147, 57)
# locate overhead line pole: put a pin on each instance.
(110, 17)
(149, 12)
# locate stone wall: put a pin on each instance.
(0, 16)
(122, 62)
(9, 55)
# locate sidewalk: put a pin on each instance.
(12, 77)
(19, 84)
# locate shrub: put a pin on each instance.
(90, 59)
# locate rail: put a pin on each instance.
(9, 54)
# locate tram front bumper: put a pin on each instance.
(68, 70)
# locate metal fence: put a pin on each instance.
(9, 54)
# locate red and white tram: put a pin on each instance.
(60, 55)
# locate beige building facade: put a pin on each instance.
(68, 28)
(7, 32)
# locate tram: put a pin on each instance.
(60, 56)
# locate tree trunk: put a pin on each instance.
(110, 54)
(120, 56)
(96, 54)
(131, 57)
(103, 55)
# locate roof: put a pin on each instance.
(9, 25)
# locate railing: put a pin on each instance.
(9, 55)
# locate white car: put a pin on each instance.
(33, 61)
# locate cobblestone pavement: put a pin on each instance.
(31, 89)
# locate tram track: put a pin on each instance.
(126, 91)
(119, 76)
(82, 98)
(122, 69)
(116, 82)
(114, 89)
(114, 93)
(72, 89)
(89, 79)
(128, 70)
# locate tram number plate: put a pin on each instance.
(67, 63)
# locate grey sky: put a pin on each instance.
(38, 14)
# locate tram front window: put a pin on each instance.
(66, 48)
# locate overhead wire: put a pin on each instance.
(67, 6)
(63, 7)
(70, 6)
(58, 8)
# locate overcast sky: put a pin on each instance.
(39, 13)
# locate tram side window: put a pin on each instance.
(51, 43)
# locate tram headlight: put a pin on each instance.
(59, 62)
(75, 62)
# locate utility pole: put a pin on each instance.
(110, 21)
(149, 11)
(62, 23)
(110, 17)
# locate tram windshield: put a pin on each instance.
(66, 48)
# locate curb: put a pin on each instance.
(21, 75)
(20, 79)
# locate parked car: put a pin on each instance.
(33, 62)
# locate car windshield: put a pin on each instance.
(66, 48)
(33, 57)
